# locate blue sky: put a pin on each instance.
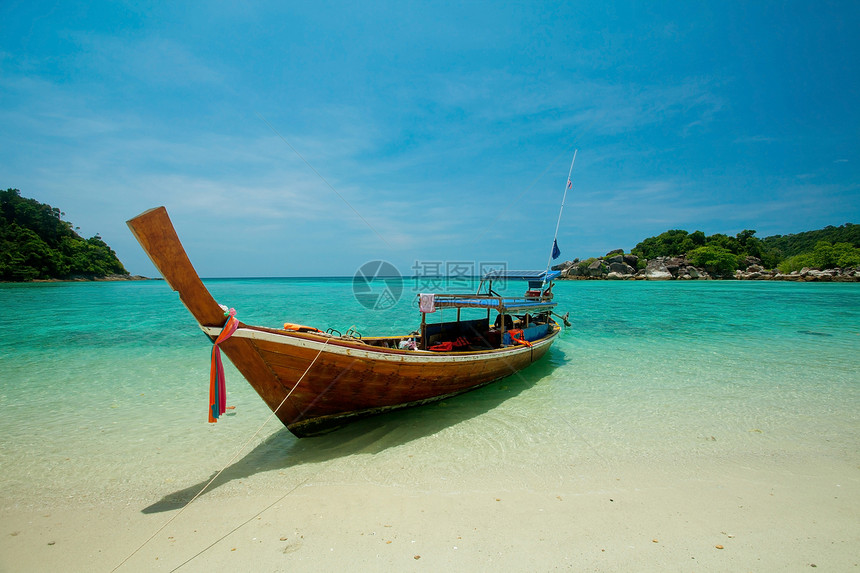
(448, 126)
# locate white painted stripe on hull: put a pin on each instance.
(357, 351)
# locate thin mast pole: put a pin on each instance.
(567, 185)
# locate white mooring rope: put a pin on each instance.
(236, 455)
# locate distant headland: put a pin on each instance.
(36, 244)
(831, 254)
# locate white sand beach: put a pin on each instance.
(598, 513)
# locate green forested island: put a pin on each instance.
(826, 248)
(679, 254)
(37, 244)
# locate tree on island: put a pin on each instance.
(716, 260)
(825, 255)
(36, 243)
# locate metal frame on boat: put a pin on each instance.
(316, 381)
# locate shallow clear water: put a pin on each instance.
(104, 386)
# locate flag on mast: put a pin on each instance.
(555, 250)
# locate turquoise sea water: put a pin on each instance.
(103, 388)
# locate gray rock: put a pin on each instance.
(596, 268)
(656, 271)
(674, 264)
(750, 261)
(631, 260)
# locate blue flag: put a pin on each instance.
(555, 250)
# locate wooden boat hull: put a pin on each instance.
(316, 382)
(350, 380)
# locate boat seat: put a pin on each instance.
(509, 322)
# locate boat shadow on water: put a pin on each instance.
(371, 435)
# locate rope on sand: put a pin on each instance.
(228, 464)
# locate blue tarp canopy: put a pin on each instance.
(521, 275)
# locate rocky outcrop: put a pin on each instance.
(596, 268)
(565, 265)
(615, 265)
(849, 275)
(631, 260)
(656, 270)
(621, 268)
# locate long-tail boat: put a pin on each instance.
(317, 381)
